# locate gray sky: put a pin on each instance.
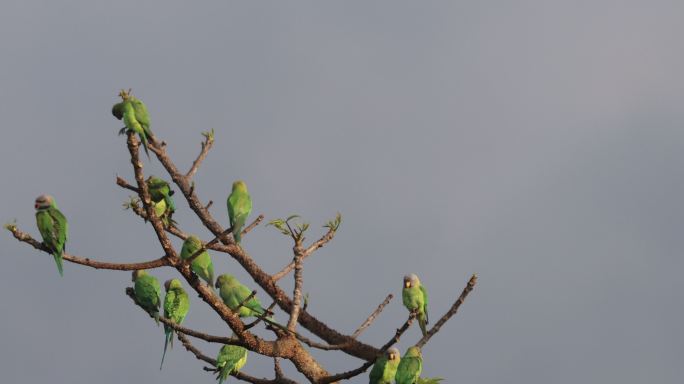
(536, 143)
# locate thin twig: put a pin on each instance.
(452, 311)
(190, 332)
(242, 303)
(372, 317)
(307, 252)
(238, 375)
(366, 365)
(124, 184)
(262, 317)
(221, 236)
(206, 146)
(26, 238)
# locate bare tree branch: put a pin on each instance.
(206, 146)
(144, 194)
(307, 252)
(124, 184)
(297, 294)
(372, 317)
(26, 238)
(238, 375)
(366, 365)
(190, 332)
(264, 280)
(288, 347)
(366, 324)
(452, 311)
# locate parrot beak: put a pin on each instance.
(217, 284)
(407, 284)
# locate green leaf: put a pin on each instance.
(209, 135)
(333, 225)
(11, 226)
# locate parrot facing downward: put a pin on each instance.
(147, 292)
(160, 193)
(176, 307)
(239, 208)
(53, 227)
(410, 367)
(385, 367)
(202, 264)
(234, 292)
(415, 299)
(230, 359)
(134, 114)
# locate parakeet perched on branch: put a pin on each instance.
(161, 193)
(147, 292)
(202, 264)
(134, 114)
(410, 367)
(239, 208)
(233, 293)
(415, 298)
(53, 227)
(230, 359)
(176, 307)
(385, 367)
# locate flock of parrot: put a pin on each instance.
(53, 227)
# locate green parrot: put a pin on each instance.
(53, 227)
(233, 293)
(161, 193)
(147, 292)
(415, 298)
(202, 264)
(135, 117)
(230, 359)
(239, 208)
(385, 367)
(410, 367)
(176, 307)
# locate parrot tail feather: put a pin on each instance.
(422, 320)
(143, 138)
(237, 228)
(59, 262)
(168, 336)
(170, 203)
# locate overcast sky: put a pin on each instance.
(538, 144)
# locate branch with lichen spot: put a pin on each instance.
(26, 238)
(452, 311)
